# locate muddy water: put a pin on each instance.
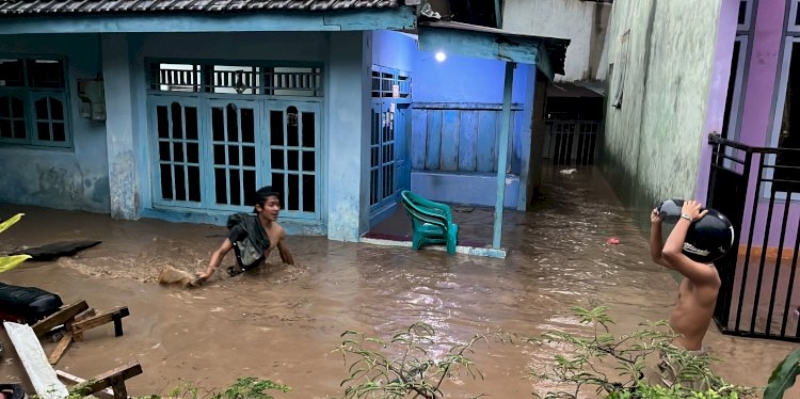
(281, 322)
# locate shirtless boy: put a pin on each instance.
(252, 236)
(693, 258)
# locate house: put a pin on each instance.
(178, 110)
(574, 103)
(700, 106)
(584, 23)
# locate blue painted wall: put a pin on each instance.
(464, 80)
(394, 50)
(295, 46)
(346, 56)
(76, 178)
(457, 115)
(456, 127)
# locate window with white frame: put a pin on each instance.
(745, 17)
(736, 84)
(793, 19)
(784, 169)
(33, 102)
(786, 127)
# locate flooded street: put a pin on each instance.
(281, 323)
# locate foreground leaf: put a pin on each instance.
(783, 377)
(10, 222)
(9, 262)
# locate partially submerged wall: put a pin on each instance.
(660, 61)
(74, 177)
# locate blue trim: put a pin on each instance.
(292, 227)
(543, 64)
(360, 20)
(480, 45)
(502, 157)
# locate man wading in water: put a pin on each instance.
(697, 240)
(252, 237)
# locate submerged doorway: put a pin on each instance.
(217, 133)
(390, 167)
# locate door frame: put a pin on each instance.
(262, 107)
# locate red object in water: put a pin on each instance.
(613, 241)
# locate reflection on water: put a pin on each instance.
(281, 323)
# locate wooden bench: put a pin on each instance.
(45, 379)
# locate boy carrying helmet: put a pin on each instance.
(697, 240)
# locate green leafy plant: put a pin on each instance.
(783, 377)
(585, 366)
(9, 262)
(243, 388)
(405, 366)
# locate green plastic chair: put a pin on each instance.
(432, 222)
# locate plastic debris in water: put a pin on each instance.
(568, 171)
(613, 241)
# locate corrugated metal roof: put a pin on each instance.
(49, 7)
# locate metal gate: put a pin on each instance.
(759, 291)
(571, 142)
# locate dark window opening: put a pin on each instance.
(726, 133)
(788, 163)
(35, 91)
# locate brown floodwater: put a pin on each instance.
(281, 323)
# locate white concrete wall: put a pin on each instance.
(583, 22)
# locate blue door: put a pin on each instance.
(402, 122)
(390, 166)
(234, 151)
(294, 160)
(382, 156)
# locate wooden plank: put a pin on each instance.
(419, 129)
(433, 159)
(85, 315)
(42, 376)
(74, 379)
(450, 139)
(114, 379)
(114, 316)
(468, 142)
(62, 316)
(60, 349)
(487, 132)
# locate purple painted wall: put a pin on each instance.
(760, 97)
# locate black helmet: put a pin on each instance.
(707, 239)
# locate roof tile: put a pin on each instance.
(33, 7)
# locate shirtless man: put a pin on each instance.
(263, 231)
(699, 288)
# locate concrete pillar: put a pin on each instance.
(124, 186)
(537, 138)
(348, 134)
(524, 152)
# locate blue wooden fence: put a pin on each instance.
(456, 137)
